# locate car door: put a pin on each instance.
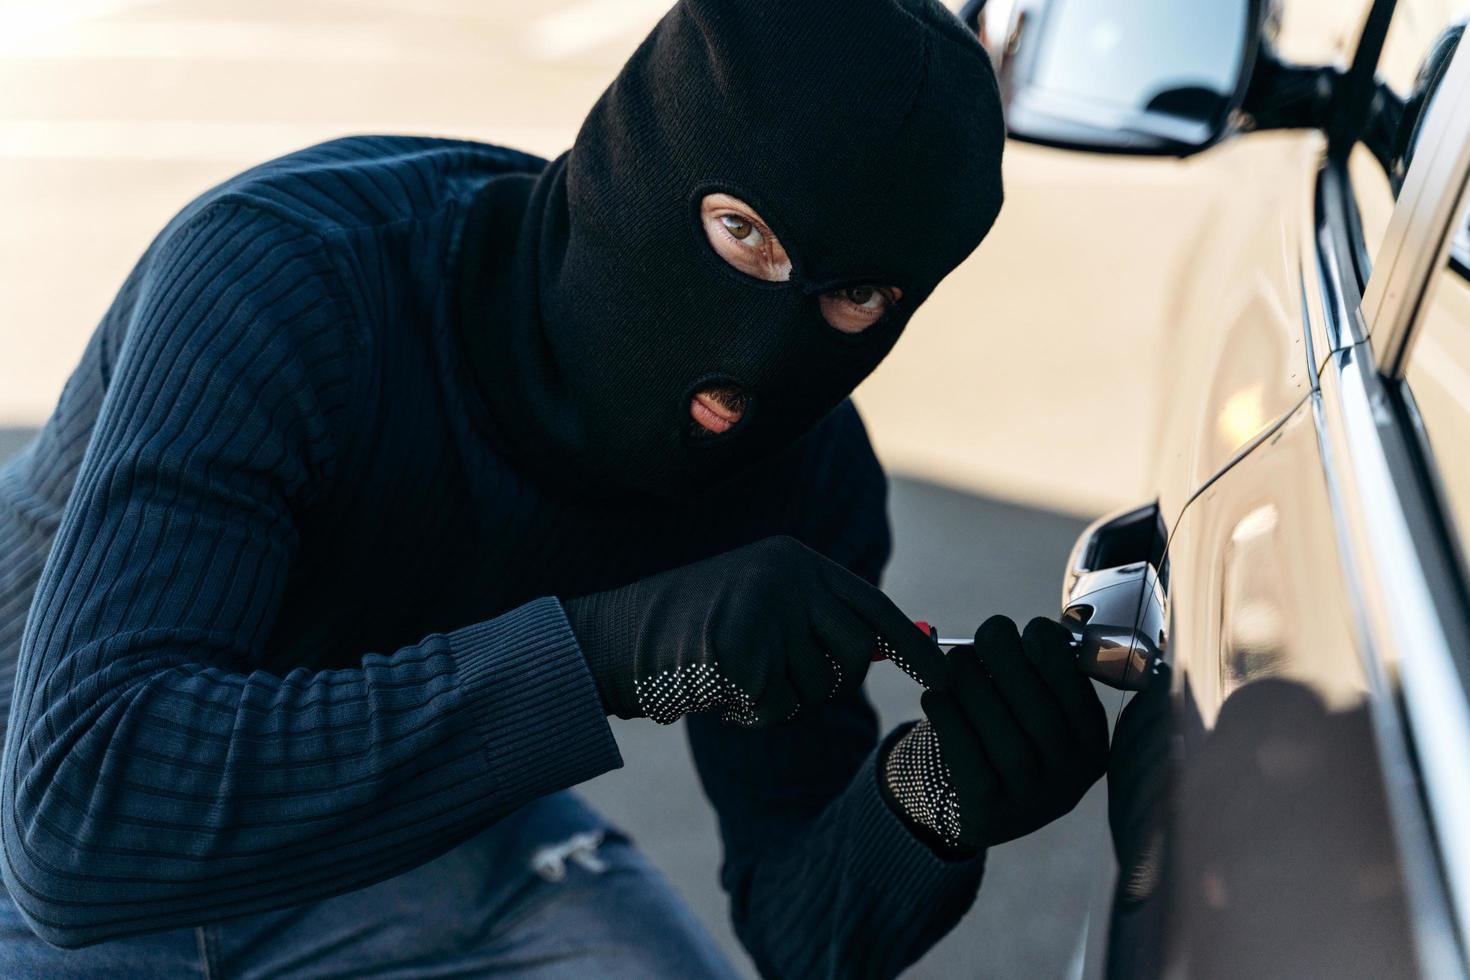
(1290, 794)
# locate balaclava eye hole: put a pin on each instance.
(698, 241)
(610, 304)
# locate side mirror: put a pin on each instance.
(1121, 76)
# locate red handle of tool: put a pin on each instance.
(924, 628)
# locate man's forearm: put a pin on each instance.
(856, 895)
(171, 793)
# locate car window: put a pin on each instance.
(1438, 376)
(1375, 198)
(1411, 33)
(1316, 33)
(1420, 36)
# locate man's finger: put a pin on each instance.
(1048, 647)
(1011, 753)
(1032, 706)
(778, 703)
(846, 637)
(898, 638)
(815, 671)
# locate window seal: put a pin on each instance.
(1416, 245)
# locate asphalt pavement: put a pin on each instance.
(958, 558)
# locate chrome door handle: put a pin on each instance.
(1113, 601)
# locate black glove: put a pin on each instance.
(761, 631)
(1012, 743)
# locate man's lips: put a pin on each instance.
(716, 410)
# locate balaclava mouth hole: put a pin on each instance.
(592, 303)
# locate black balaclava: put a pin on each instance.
(866, 133)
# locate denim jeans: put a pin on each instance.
(550, 892)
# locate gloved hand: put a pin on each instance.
(1012, 743)
(761, 631)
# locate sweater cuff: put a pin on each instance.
(533, 701)
(888, 855)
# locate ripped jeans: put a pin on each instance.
(550, 892)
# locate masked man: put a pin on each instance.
(397, 465)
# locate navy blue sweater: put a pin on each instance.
(279, 623)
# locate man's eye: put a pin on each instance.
(856, 308)
(741, 230)
(866, 297)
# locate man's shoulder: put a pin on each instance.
(361, 182)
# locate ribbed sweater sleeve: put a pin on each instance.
(825, 880)
(154, 774)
